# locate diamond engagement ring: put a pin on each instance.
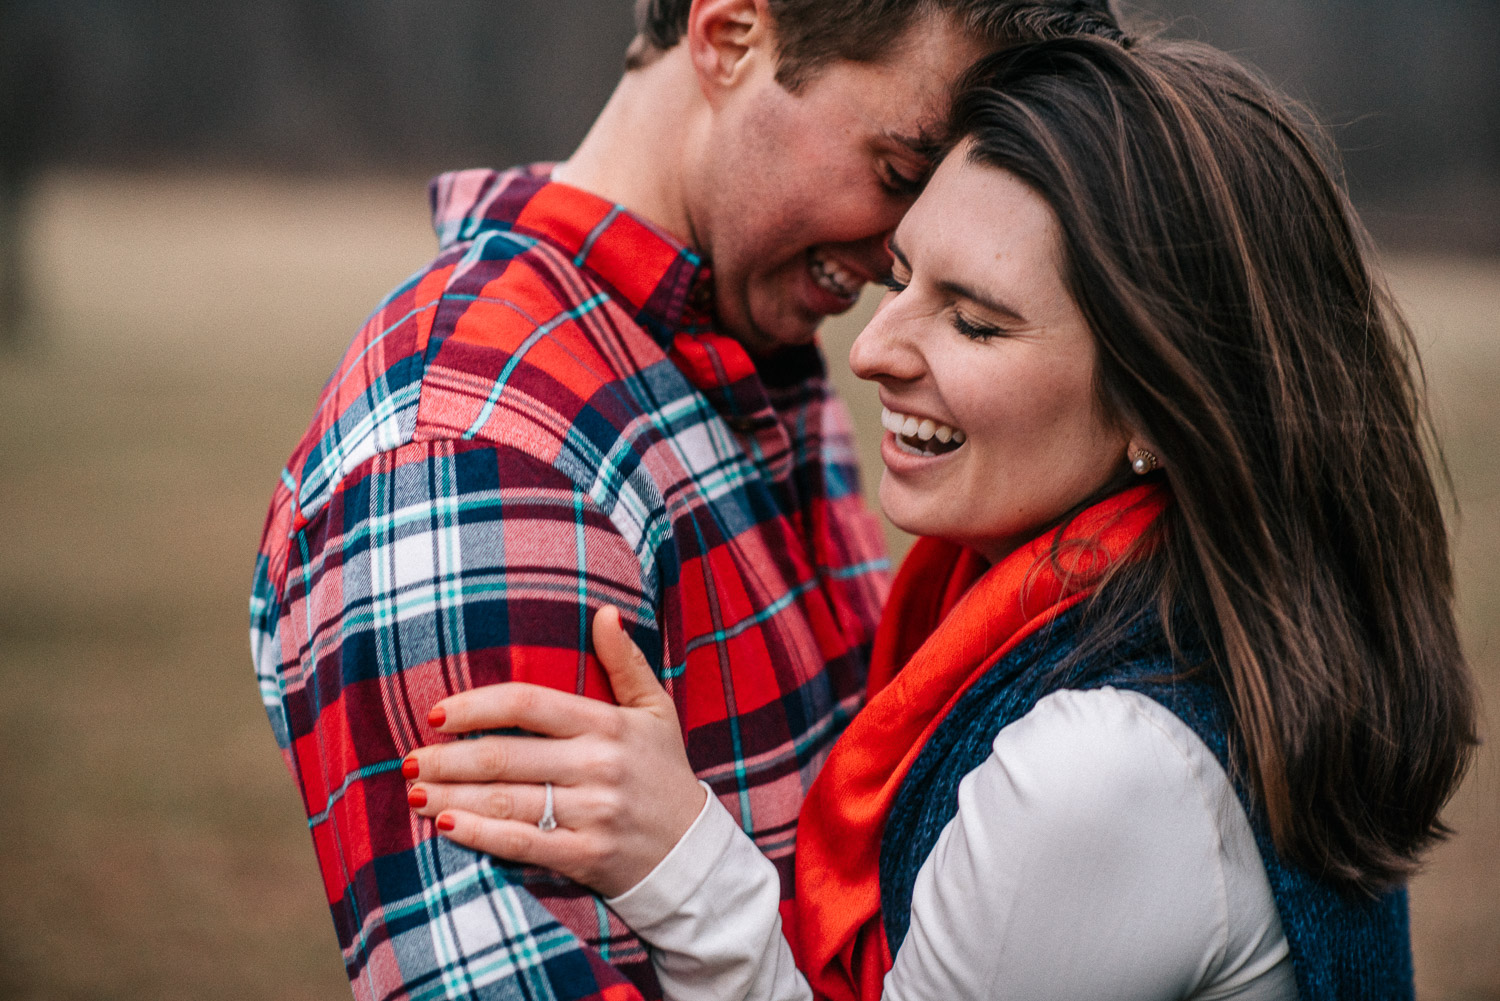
(548, 821)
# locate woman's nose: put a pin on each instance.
(886, 349)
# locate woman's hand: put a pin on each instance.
(623, 791)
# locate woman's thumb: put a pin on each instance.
(629, 675)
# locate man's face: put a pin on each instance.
(797, 192)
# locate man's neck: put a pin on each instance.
(634, 154)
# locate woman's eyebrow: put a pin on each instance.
(959, 290)
(895, 250)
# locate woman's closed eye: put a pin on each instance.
(975, 330)
(899, 276)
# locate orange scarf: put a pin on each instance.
(949, 619)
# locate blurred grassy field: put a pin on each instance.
(153, 846)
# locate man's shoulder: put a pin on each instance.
(502, 338)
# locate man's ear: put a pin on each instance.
(724, 38)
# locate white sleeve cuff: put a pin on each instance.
(672, 881)
(711, 912)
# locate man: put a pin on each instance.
(567, 409)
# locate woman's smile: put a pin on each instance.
(922, 436)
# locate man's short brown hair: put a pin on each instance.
(813, 33)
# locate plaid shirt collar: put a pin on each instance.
(667, 285)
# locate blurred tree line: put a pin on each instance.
(396, 86)
(392, 85)
(1412, 88)
(1409, 88)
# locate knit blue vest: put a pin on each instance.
(1342, 947)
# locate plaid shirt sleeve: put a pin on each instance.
(438, 566)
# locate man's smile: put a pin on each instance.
(832, 276)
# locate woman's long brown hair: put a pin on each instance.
(1243, 335)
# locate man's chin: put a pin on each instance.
(768, 343)
(762, 340)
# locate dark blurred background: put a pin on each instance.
(198, 204)
(1412, 87)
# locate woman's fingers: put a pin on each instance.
(546, 711)
(518, 704)
(630, 675)
(497, 800)
(506, 759)
(517, 841)
(624, 791)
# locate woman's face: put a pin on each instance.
(986, 367)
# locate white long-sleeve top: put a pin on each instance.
(1098, 852)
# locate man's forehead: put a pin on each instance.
(909, 91)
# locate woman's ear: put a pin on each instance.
(723, 36)
(1142, 457)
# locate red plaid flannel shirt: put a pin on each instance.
(538, 423)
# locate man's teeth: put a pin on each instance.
(920, 435)
(834, 277)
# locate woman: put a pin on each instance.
(1169, 695)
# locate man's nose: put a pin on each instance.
(872, 256)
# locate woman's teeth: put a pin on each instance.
(920, 435)
(833, 277)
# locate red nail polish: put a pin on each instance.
(445, 822)
(417, 798)
(410, 769)
(437, 717)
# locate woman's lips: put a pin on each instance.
(921, 436)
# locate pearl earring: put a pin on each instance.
(1143, 462)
